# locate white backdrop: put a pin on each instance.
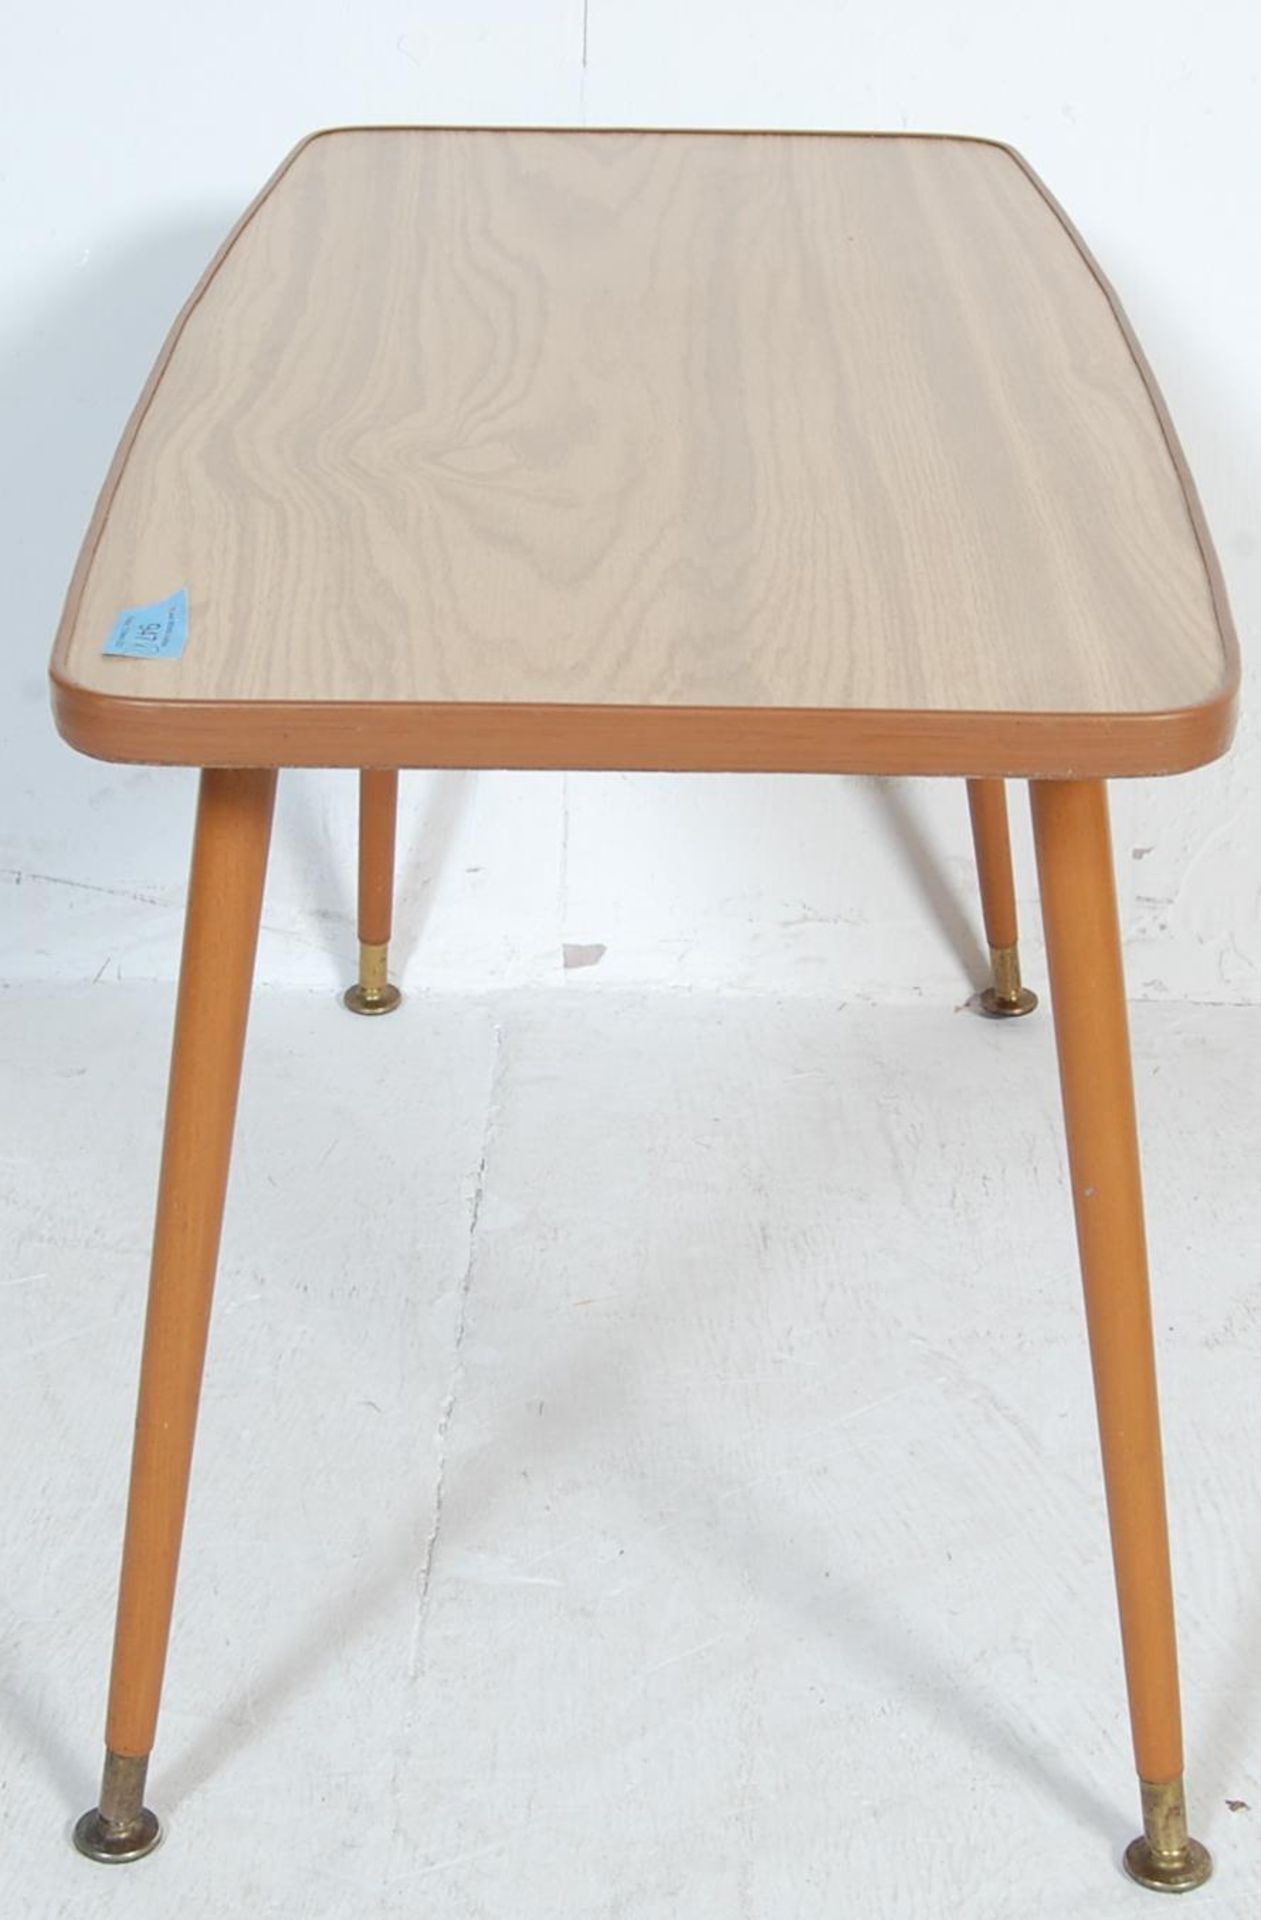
(131, 135)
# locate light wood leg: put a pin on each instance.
(1079, 912)
(378, 812)
(1005, 997)
(225, 894)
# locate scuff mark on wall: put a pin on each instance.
(574, 954)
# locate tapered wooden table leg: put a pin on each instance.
(1005, 997)
(378, 812)
(221, 932)
(1088, 996)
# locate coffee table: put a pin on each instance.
(695, 451)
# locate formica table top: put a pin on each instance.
(746, 450)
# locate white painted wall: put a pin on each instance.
(130, 137)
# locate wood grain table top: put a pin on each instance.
(624, 449)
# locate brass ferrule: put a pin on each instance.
(1165, 1856)
(374, 969)
(122, 1791)
(1165, 1817)
(1005, 963)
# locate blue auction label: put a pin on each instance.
(159, 632)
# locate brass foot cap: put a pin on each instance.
(997, 1006)
(360, 1000)
(1176, 1872)
(104, 1840)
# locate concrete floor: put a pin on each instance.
(647, 1463)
